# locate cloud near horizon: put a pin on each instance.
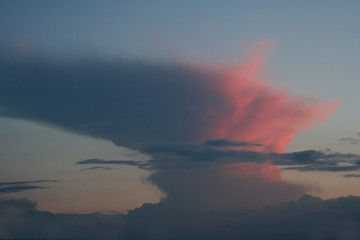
(304, 219)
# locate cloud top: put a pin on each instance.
(137, 103)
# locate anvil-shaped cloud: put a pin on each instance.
(142, 105)
(213, 132)
(136, 104)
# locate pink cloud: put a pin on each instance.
(256, 111)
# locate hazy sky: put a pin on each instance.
(107, 105)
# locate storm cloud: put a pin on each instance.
(139, 103)
(215, 135)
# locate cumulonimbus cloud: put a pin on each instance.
(135, 103)
(140, 105)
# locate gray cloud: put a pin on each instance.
(26, 182)
(98, 168)
(131, 103)
(307, 218)
(189, 156)
(106, 162)
(137, 104)
(321, 161)
(228, 143)
(19, 186)
(352, 175)
(202, 155)
(17, 205)
(19, 219)
(209, 190)
(201, 176)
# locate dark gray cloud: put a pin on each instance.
(201, 176)
(26, 182)
(307, 218)
(325, 168)
(320, 161)
(19, 219)
(98, 168)
(107, 162)
(131, 103)
(352, 175)
(228, 143)
(136, 103)
(209, 190)
(189, 156)
(19, 186)
(17, 205)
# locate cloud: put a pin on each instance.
(193, 156)
(231, 187)
(18, 189)
(352, 175)
(106, 162)
(97, 168)
(190, 156)
(19, 186)
(208, 178)
(350, 141)
(17, 205)
(307, 218)
(213, 187)
(19, 219)
(228, 143)
(26, 182)
(321, 161)
(138, 103)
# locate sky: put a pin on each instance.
(179, 119)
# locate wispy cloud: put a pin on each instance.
(228, 143)
(26, 182)
(19, 186)
(98, 168)
(107, 162)
(188, 156)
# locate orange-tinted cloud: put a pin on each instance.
(256, 111)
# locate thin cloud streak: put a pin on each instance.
(189, 156)
(20, 186)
